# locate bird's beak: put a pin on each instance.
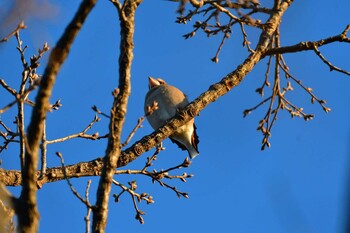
(152, 82)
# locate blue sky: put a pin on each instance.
(298, 185)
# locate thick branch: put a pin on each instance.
(82, 169)
(212, 94)
(118, 111)
(28, 215)
(231, 80)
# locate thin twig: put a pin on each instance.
(20, 102)
(70, 184)
(248, 111)
(89, 210)
(81, 134)
(307, 89)
(260, 90)
(7, 141)
(98, 111)
(19, 27)
(150, 110)
(246, 42)
(7, 87)
(331, 66)
(225, 36)
(227, 12)
(21, 97)
(132, 133)
(152, 158)
(134, 196)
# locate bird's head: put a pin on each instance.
(153, 82)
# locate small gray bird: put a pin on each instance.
(170, 100)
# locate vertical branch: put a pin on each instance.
(20, 101)
(277, 82)
(127, 22)
(43, 151)
(21, 131)
(87, 217)
(28, 215)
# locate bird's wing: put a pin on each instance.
(178, 144)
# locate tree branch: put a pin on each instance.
(20, 26)
(331, 66)
(93, 167)
(309, 45)
(74, 191)
(28, 215)
(118, 111)
(212, 94)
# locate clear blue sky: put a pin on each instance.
(300, 184)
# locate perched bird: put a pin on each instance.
(170, 100)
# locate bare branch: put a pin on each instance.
(20, 102)
(150, 110)
(224, 10)
(331, 67)
(307, 89)
(84, 201)
(82, 169)
(28, 215)
(7, 87)
(117, 4)
(214, 92)
(89, 210)
(226, 35)
(98, 111)
(260, 90)
(309, 45)
(132, 133)
(248, 111)
(246, 42)
(134, 195)
(20, 26)
(118, 111)
(12, 135)
(43, 148)
(82, 134)
(20, 97)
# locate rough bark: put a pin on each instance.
(27, 211)
(94, 167)
(118, 112)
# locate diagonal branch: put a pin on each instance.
(212, 94)
(93, 167)
(28, 215)
(20, 26)
(74, 191)
(331, 66)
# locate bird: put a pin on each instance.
(170, 100)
